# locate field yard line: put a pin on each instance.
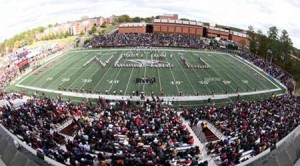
(93, 73)
(255, 78)
(108, 67)
(186, 75)
(78, 76)
(46, 63)
(226, 74)
(128, 81)
(51, 72)
(211, 76)
(90, 76)
(145, 74)
(112, 84)
(65, 72)
(159, 79)
(101, 79)
(174, 80)
(200, 79)
(239, 59)
(54, 71)
(241, 78)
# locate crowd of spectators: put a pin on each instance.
(251, 126)
(268, 67)
(7, 74)
(124, 134)
(148, 39)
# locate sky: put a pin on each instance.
(20, 15)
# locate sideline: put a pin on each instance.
(137, 98)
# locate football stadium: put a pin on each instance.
(149, 91)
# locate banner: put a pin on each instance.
(22, 63)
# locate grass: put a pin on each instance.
(108, 28)
(66, 41)
(226, 73)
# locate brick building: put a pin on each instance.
(169, 24)
(178, 26)
(169, 17)
(214, 32)
(238, 37)
(132, 28)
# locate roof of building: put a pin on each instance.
(133, 24)
(178, 22)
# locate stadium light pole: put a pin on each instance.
(269, 52)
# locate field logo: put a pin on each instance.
(145, 62)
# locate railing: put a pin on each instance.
(288, 139)
(213, 129)
(34, 152)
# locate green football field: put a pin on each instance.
(168, 71)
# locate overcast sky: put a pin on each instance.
(19, 15)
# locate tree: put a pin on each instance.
(252, 36)
(81, 33)
(136, 19)
(286, 44)
(67, 33)
(61, 35)
(184, 19)
(103, 25)
(17, 44)
(124, 18)
(40, 29)
(273, 33)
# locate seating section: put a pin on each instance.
(250, 126)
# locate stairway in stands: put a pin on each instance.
(70, 129)
(210, 136)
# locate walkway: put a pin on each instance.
(197, 142)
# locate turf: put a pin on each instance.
(226, 73)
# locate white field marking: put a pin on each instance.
(224, 79)
(200, 79)
(65, 79)
(186, 76)
(174, 80)
(211, 77)
(145, 74)
(52, 72)
(114, 79)
(46, 63)
(90, 77)
(137, 98)
(65, 73)
(159, 80)
(128, 81)
(101, 78)
(87, 69)
(252, 67)
(81, 74)
(248, 85)
(102, 75)
(49, 78)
